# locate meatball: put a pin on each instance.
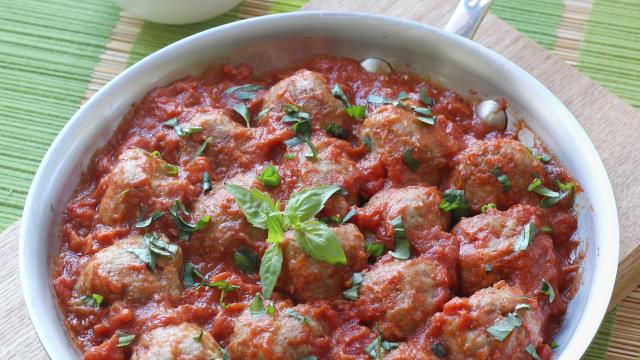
(393, 132)
(418, 206)
(310, 92)
(291, 333)
(307, 279)
(478, 167)
(186, 341)
(333, 166)
(462, 329)
(487, 252)
(228, 229)
(117, 274)
(138, 180)
(400, 295)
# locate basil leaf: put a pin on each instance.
(94, 301)
(348, 216)
(320, 242)
(403, 95)
(244, 92)
(523, 307)
(531, 350)
(389, 345)
(455, 202)
(203, 146)
(313, 152)
(547, 289)
(438, 350)
(409, 160)
(159, 247)
(502, 178)
(352, 292)
(426, 120)
(486, 207)
(554, 345)
(503, 328)
(270, 268)
(336, 130)
(225, 355)
(143, 223)
(255, 205)
(241, 109)
(270, 176)
(546, 229)
(537, 187)
(422, 111)
(294, 141)
(377, 99)
(189, 275)
(373, 249)
(356, 111)
(367, 142)
(566, 189)
(337, 92)
(145, 256)
(310, 357)
(185, 229)
(374, 349)
(545, 158)
(256, 308)
(246, 260)
(199, 337)
(124, 339)
(527, 235)
(170, 169)
(180, 131)
(206, 182)
(275, 227)
(425, 98)
(296, 315)
(402, 249)
(308, 202)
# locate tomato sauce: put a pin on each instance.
(83, 233)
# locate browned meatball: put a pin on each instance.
(138, 180)
(310, 92)
(307, 279)
(487, 251)
(393, 130)
(186, 341)
(463, 327)
(117, 274)
(333, 166)
(291, 333)
(400, 295)
(418, 206)
(228, 229)
(477, 169)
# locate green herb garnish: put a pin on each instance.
(242, 109)
(531, 350)
(402, 249)
(352, 292)
(180, 130)
(203, 146)
(503, 328)
(296, 315)
(438, 350)
(336, 131)
(502, 178)
(545, 158)
(409, 160)
(527, 235)
(124, 339)
(486, 207)
(244, 92)
(94, 300)
(454, 201)
(143, 222)
(246, 260)
(547, 289)
(270, 176)
(185, 229)
(154, 247)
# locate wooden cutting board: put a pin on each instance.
(613, 126)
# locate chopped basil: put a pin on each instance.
(270, 268)
(367, 142)
(256, 308)
(409, 160)
(554, 345)
(263, 113)
(531, 350)
(352, 292)
(270, 176)
(185, 229)
(189, 275)
(376, 347)
(424, 97)
(320, 242)
(154, 247)
(143, 222)
(348, 216)
(224, 288)
(545, 158)
(310, 357)
(527, 235)
(246, 260)
(488, 268)
(180, 130)
(523, 307)
(289, 156)
(337, 92)
(502, 178)
(356, 111)
(551, 197)
(547, 289)
(242, 109)
(537, 187)
(225, 354)
(168, 168)
(504, 326)
(486, 207)
(454, 201)
(244, 92)
(377, 99)
(198, 338)
(426, 120)
(313, 152)
(403, 95)
(296, 315)
(293, 114)
(294, 141)
(438, 350)
(373, 249)
(336, 131)
(402, 249)
(95, 300)
(546, 229)
(206, 182)
(271, 309)
(203, 146)
(124, 339)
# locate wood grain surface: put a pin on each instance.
(613, 126)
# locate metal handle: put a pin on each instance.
(467, 17)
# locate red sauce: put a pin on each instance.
(83, 233)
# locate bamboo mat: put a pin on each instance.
(582, 33)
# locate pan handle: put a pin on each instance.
(467, 17)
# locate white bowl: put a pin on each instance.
(176, 12)
(275, 41)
